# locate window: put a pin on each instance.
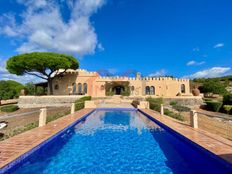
(74, 88)
(152, 90)
(182, 88)
(56, 87)
(79, 88)
(132, 88)
(147, 90)
(85, 88)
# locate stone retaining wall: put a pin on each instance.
(47, 101)
(190, 101)
(197, 101)
(66, 100)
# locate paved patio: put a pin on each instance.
(115, 105)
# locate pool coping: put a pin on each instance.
(77, 117)
(195, 136)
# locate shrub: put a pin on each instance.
(19, 130)
(173, 115)
(9, 89)
(227, 99)
(125, 93)
(85, 98)
(57, 115)
(155, 103)
(155, 100)
(227, 108)
(213, 86)
(80, 103)
(207, 99)
(79, 106)
(181, 108)
(109, 93)
(9, 108)
(213, 105)
(173, 103)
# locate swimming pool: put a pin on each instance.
(118, 141)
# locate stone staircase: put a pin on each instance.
(115, 101)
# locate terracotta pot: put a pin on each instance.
(196, 92)
(23, 92)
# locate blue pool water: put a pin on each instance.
(118, 142)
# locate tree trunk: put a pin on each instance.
(50, 86)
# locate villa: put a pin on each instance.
(81, 82)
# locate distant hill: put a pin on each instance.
(221, 79)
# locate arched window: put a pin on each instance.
(182, 88)
(79, 88)
(147, 90)
(74, 90)
(152, 90)
(85, 88)
(132, 88)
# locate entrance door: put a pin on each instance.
(118, 90)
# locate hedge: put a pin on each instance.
(181, 108)
(84, 98)
(213, 105)
(173, 103)
(173, 115)
(80, 103)
(155, 103)
(227, 99)
(9, 108)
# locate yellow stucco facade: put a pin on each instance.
(76, 82)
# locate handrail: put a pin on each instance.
(216, 116)
(22, 114)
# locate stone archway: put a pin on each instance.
(118, 90)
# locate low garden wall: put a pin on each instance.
(7, 102)
(47, 101)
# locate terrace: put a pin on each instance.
(14, 150)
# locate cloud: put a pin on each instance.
(209, 73)
(44, 29)
(161, 72)
(100, 47)
(192, 62)
(219, 45)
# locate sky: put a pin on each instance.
(184, 39)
